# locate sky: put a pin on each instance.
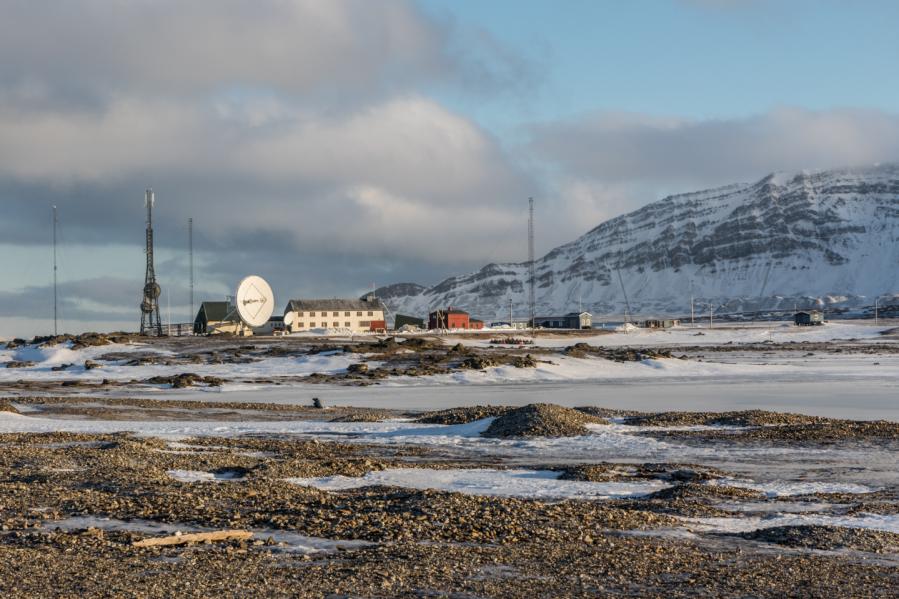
(332, 146)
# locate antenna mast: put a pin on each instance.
(190, 246)
(55, 309)
(150, 323)
(531, 276)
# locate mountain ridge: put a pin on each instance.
(814, 237)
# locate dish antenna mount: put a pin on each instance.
(254, 302)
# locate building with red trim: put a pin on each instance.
(452, 318)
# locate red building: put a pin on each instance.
(451, 318)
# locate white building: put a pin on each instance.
(357, 315)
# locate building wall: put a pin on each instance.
(453, 321)
(358, 321)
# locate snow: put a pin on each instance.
(889, 523)
(287, 540)
(532, 484)
(720, 334)
(717, 245)
(47, 357)
(788, 489)
(196, 476)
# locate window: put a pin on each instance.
(299, 314)
(346, 314)
(346, 324)
(371, 313)
(336, 314)
(312, 314)
(335, 324)
(365, 323)
(300, 325)
(311, 325)
(358, 313)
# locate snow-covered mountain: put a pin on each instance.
(829, 237)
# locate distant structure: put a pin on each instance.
(453, 318)
(665, 323)
(216, 318)
(401, 320)
(357, 315)
(55, 308)
(810, 318)
(532, 277)
(572, 320)
(150, 323)
(190, 257)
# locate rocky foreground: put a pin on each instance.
(77, 509)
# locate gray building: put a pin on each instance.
(572, 320)
(810, 318)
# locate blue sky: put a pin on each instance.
(697, 59)
(329, 145)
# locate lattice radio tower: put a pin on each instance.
(532, 279)
(150, 323)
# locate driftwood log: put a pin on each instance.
(197, 537)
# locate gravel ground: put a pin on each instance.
(422, 543)
(541, 420)
(827, 537)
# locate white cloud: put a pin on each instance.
(669, 151)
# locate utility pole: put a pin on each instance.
(531, 273)
(511, 322)
(692, 313)
(711, 323)
(55, 307)
(875, 311)
(190, 250)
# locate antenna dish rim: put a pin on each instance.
(254, 300)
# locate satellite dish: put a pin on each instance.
(255, 301)
(288, 319)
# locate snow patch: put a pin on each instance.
(532, 484)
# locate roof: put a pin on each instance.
(312, 305)
(450, 311)
(215, 311)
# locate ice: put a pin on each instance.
(889, 523)
(787, 489)
(532, 484)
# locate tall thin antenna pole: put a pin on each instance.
(511, 322)
(531, 276)
(55, 307)
(692, 312)
(190, 246)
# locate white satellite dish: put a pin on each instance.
(288, 319)
(255, 301)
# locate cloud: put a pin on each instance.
(100, 48)
(617, 148)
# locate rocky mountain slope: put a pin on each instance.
(822, 238)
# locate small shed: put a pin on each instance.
(216, 317)
(402, 320)
(810, 318)
(665, 323)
